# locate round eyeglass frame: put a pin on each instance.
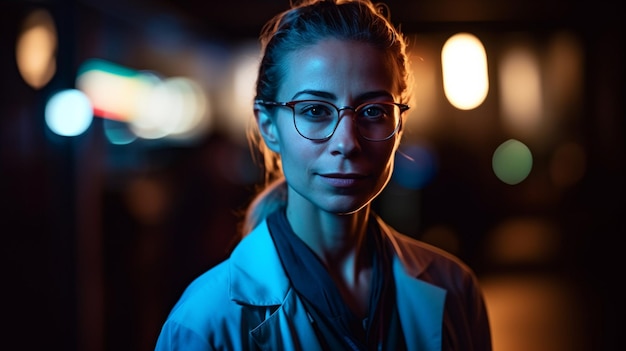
(291, 104)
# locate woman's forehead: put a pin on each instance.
(338, 66)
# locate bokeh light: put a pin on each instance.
(533, 312)
(192, 110)
(113, 89)
(170, 107)
(520, 90)
(523, 241)
(154, 107)
(69, 113)
(465, 74)
(512, 162)
(241, 94)
(563, 75)
(36, 49)
(118, 133)
(422, 117)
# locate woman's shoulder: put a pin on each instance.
(436, 266)
(251, 269)
(409, 243)
(207, 292)
(426, 260)
(203, 309)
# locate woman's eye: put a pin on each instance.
(316, 111)
(373, 111)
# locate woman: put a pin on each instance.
(317, 269)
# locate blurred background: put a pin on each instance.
(124, 166)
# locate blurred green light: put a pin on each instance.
(512, 162)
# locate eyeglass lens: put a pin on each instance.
(318, 119)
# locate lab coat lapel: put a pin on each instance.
(288, 328)
(258, 279)
(420, 306)
(256, 274)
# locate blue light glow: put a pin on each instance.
(69, 113)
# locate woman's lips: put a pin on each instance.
(341, 180)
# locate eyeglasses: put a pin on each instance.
(317, 120)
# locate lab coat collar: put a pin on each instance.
(414, 265)
(256, 273)
(257, 278)
(255, 263)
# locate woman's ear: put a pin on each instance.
(267, 127)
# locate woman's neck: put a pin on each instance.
(340, 241)
(330, 235)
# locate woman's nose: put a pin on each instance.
(345, 140)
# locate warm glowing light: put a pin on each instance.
(36, 48)
(520, 90)
(68, 113)
(422, 117)
(534, 312)
(512, 162)
(112, 89)
(172, 107)
(523, 240)
(244, 72)
(563, 75)
(157, 112)
(192, 117)
(153, 107)
(465, 76)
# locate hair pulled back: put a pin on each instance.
(306, 23)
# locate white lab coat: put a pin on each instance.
(248, 303)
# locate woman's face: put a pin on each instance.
(346, 172)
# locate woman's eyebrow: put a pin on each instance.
(318, 93)
(327, 95)
(373, 95)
